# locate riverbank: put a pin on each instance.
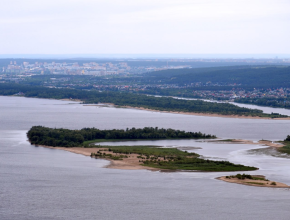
(208, 114)
(258, 181)
(188, 113)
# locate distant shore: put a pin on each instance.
(190, 113)
(172, 112)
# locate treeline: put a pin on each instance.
(40, 135)
(133, 100)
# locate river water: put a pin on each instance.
(40, 183)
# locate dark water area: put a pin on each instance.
(40, 183)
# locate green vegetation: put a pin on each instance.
(253, 76)
(286, 147)
(168, 158)
(256, 183)
(246, 176)
(226, 140)
(74, 138)
(134, 100)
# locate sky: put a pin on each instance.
(145, 27)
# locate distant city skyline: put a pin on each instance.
(156, 27)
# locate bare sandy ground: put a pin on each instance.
(131, 163)
(250, 182)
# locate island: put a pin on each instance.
(132, 157)
(252, 180)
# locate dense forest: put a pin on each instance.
(133, 100)
(255, 76)
(40, 135)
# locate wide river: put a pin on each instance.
(38, 183)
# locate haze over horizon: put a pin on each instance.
(145, 27)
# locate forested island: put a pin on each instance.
(40, 135)
(243, 76)
(135, 100)
(150, 156)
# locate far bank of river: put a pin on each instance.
(267, 110)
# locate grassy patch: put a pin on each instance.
(89, 144)
(173, 159)
(246, 176)
(256, 183)
(286, 148)
(227, 140)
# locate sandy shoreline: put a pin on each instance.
(208, 114)
(126, 164)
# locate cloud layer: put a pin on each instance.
(160, 26)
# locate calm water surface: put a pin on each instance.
(40, 183)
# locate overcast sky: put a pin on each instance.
(145, 27)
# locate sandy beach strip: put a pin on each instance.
(131, 163)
